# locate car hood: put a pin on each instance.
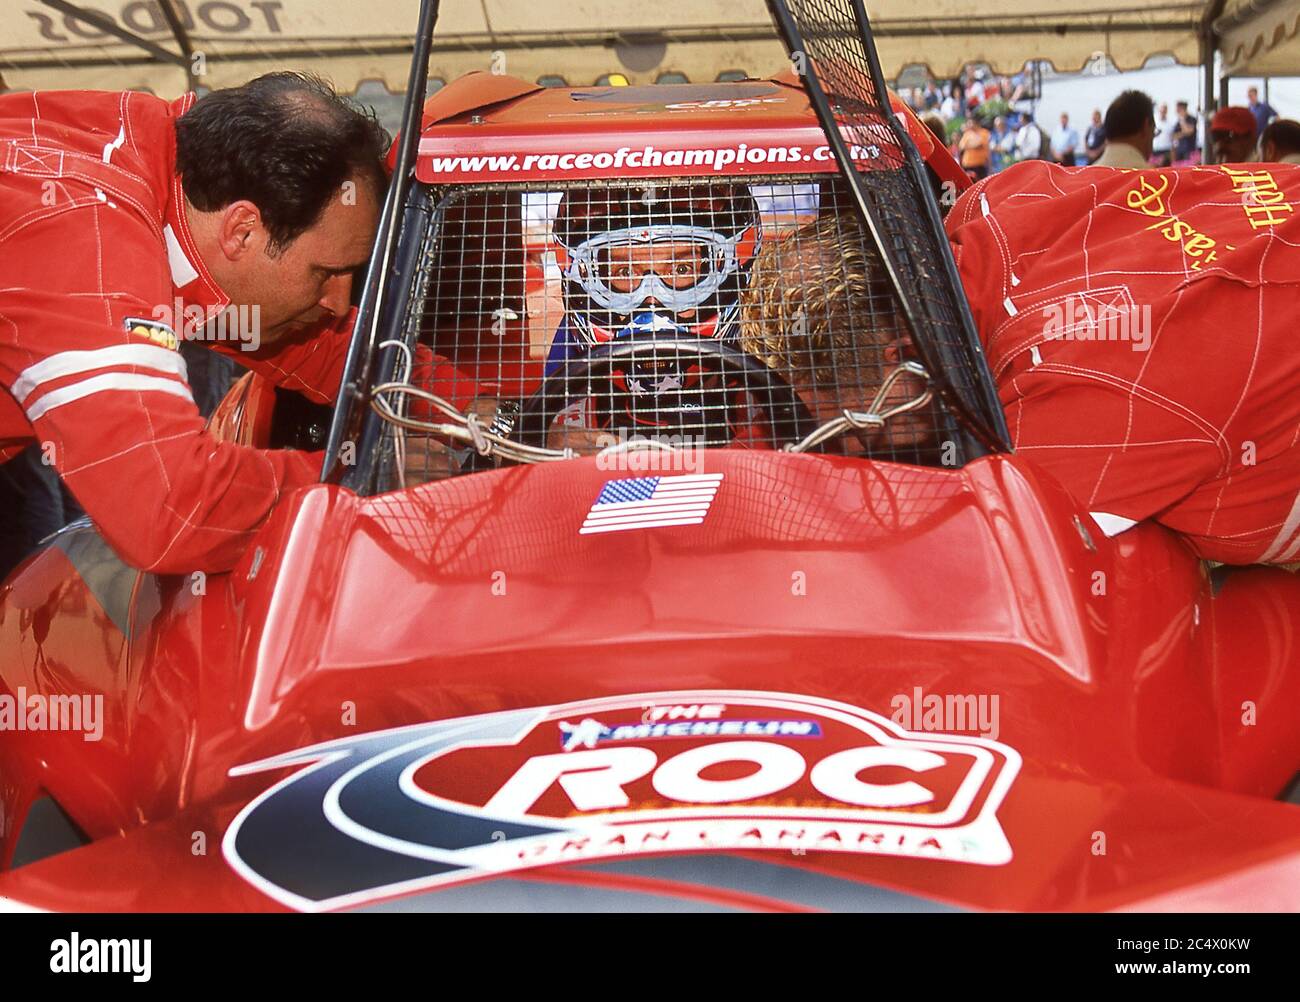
(944, 688)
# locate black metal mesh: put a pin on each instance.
(830, 43)
(766, 313)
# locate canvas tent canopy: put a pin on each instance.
(168, 46)
(1260, 38)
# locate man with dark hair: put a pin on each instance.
(1031, 144)
(1130, 131)
(129, 223)
(1280, 143)
(1262, 110)
(1094, 139)
(973, 149)
(1185, 140)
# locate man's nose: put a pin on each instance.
(336, 295)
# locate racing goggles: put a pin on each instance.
(680, 267)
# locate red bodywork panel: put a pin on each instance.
(1132, 777)
(485, 128)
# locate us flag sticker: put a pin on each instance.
(647, 502)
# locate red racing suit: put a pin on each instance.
(1141, 327)
(93, 244)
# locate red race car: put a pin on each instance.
(697, 593)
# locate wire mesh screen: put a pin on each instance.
(830, 43)
(680, 313)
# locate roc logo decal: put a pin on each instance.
(375, 815)
(151, 330)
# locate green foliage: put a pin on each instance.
(990, 110)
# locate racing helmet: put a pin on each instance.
(652, 258)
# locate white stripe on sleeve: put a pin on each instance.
(1112, 525)
(1278, 551)
(101, 384)
(69, 363)
(116, 144)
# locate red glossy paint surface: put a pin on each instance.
(483, 118)
(1120, 677)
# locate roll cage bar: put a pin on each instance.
(832, 38)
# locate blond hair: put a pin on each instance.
(819, 306)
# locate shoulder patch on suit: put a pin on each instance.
(152, 330)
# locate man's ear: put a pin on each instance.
(240, 230)
(899, 349)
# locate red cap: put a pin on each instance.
(1235, 119)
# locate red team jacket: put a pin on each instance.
(94, 249)
(93, 240)
(1142, 329)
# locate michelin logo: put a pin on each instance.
(589, 733)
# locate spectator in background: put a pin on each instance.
(1232, 131)
(974, 149)
(1184, 133)
(1262, 110)
(934, 122)
(952, 106)
(1019, 90)
(1280, 143)
(1002, 145)
(1029, 141)
(1094, 140)
(1065, 141)
(1130, 131)
(1162, 147)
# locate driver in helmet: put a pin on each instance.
(652, 261)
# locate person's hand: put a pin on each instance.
(427, 458)
(485, 408)
(433, 457)
(583, 441)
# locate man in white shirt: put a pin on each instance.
(1163, 144)
(1130, 131)
(1029, 141)
(1065, 141)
